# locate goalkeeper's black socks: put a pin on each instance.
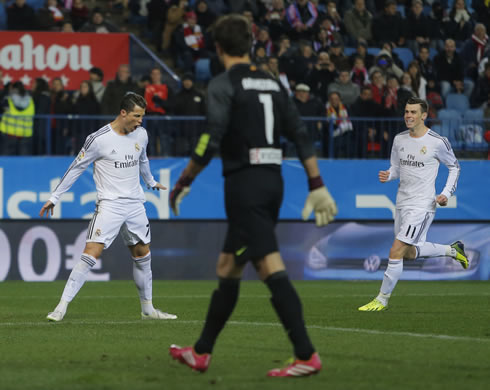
(223, 302)
(285, 301)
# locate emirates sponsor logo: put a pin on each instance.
(26, 55)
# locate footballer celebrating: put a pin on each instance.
(415, 158)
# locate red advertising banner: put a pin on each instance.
(26, 55)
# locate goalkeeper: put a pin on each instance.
(248, 112)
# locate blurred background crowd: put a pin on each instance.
(355, 62)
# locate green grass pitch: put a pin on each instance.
(436, 335)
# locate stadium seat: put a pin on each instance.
(474, 116)
(451, 120)
(432, 53)
(457, 101)
(3, 17)
(203, 70)
(405, 54)
(373, 50)
(349, 50)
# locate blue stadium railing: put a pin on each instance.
(175, 136)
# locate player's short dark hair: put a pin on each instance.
(233, 34)
(424, 107)
(130, 100)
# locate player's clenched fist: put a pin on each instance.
(383, 176)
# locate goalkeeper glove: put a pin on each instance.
(181, 189)
(320, 202)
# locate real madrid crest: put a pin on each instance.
(137, 147)
(423, 150)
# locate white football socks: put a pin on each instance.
(75, 281)
(430, 249)
(143, 278)
(390, 278)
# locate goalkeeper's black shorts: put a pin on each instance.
(253, 198)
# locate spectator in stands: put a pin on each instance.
(361, 51)
(286, 54)
(389, 26)
(273, 64)
(189, 42)
(157, 16)
(304, 62)
(84, 103)
(67, 27)
(385, 64)
(437, 22)
(116, 89)
(366, 132)
(188, 102)
(308, 106)
(159, 99)
(482, 11)
(348, 90)
(264, 39)
(358, 23)
(460, 24)
(391, 97)
(337, 56)
(323, 40)
(96, 78)
(342, 134)
(418, 27)
(21, 16)
(335, 18)
(205, 17)
(16, 123)
(405, 92)
(301, 16)
(50, 17)
(174, 19)
(419, 83)
(450, 71)
(359, 74)
(482, 89)
(42, 105)
(98, 24)
(321, 76)
(275, 19)
(427, 69)
(378, 87)
(61, 104)
(79, 14)
(473, 51)
(219, 7)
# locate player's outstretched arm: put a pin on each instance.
(157, 187)
(319, 199)
(47, 209)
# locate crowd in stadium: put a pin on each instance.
(340, 59)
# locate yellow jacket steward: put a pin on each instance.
(16, 122)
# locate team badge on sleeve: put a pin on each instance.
(81, 155)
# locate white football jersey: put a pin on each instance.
(416, 162)
(118, 161)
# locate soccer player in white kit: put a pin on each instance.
(415, 158)
(118, 152)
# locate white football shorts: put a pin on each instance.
(412, 225)
(124, 215)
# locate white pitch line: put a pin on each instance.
(245, 296)
(257, 324)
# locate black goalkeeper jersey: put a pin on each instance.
(248, 111)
